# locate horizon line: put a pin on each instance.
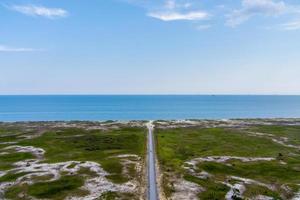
(152, 94)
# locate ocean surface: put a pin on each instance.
(139, 107)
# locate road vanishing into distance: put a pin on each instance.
(152, 186)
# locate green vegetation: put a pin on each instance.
(214, 191)
(267, 172)
(115, 195)
(290, 132)
(101, 145)
(4, 130)
(7, 160)
(177, 145)
(97, 146)
(56, 190)
(11, 176)
(8, 138)
(254, 190)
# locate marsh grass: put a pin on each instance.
(73, 144)
(178, 145)
(255, 190)
(115, 195)
(97, 146)
(55, 190)
(214, 191)
(291, 132)
(11, 176)
(7, 160)
(267, 172)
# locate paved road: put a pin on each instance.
(152, 186)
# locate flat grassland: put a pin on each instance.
(235, 159)
(72, 160)
(198, 159)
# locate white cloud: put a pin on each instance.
(4, 48)
(172, 16)
(293, 25)
(41, 11)
(174, 10)
(193, 10)
(251, 8)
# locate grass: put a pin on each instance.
(58, 189)
(214, 191)
(255, 190)
(97, 146)
(291, 132)
(8, 138)
(267, 172)
(4, 130)
(6, 161)
(115, 195)
(76, 144)
(55, 190)
(178, 145)
(11, 176)
(41, 178)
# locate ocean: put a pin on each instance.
(146, 107)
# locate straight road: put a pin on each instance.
(152, 186)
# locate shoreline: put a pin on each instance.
(156, 120)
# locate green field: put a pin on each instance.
(197, 159)
(278, 178)
(117, 148)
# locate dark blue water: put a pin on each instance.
(40, 108)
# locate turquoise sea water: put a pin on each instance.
(122, 107)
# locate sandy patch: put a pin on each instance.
(224, 159)
(279, 140)
(96, 186)
(237, 189)
(38, 152)
(262, 197)
(8, 142)
(186, 190)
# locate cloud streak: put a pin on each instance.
(251, 8)
(229, 14)
(4, 48)
(290, 26)
(175, 16)
(41, 11)
(175, 10)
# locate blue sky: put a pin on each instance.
(150, 47)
